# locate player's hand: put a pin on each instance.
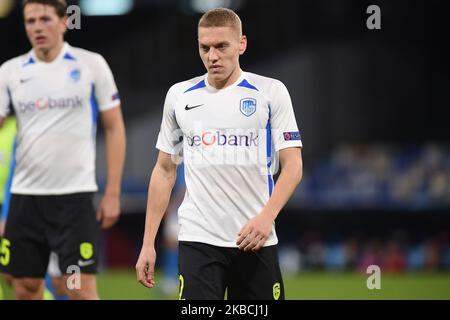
(255, 232)
(145, 267)
(108, 210)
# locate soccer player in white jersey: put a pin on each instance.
(232, 124)
(57, 92)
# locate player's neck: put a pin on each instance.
(49, 55)
(234, 76)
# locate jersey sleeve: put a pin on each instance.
(284, 129)
(4, 92)
(169, 133)
(105, 89)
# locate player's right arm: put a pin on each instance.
(161, 184)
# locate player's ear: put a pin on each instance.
(64, 24)
(242, 45)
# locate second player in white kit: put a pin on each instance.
(57, 105)
(58, 92)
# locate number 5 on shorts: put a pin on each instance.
(181, 287)
(4, 251)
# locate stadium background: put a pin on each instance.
(371, 106)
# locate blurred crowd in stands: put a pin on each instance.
(396, 253)
(379, 177)
(370, 176)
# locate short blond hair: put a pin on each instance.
(221, 17)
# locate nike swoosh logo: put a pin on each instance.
(25, 80)
(190, 108)
(82, 263)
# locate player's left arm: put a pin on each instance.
(256, 231)
(108, 210)
(4, 95)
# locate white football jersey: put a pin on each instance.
(56, 106)
(228, 139)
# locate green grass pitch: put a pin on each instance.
(122, 284)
